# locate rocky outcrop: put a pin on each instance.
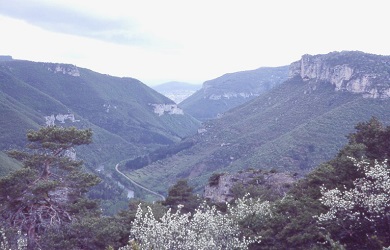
(51, 119)
(351, 71)
(64, 69)
(229, 95)
(170, 109)
(220, 187)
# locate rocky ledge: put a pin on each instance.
(351, 71)
(223, 187)
(65, 69)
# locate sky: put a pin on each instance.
(189, 41)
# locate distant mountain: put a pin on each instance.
(127, 117)
(177, 91)
(292, 127)
(231, 90)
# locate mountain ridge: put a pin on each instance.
(128, 118)
(293, 127)
(231, 90)
(371, 79)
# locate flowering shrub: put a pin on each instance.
(363, 211)
(6, 244)
(207, 228)
(244, 207)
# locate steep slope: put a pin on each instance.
(293, 127)
(7, 164)
(177, 91)
(231, 90)
(127, 116)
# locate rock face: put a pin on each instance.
(170, 109)
(221, 188)
(65, 69)
(51, 120)
(350, 71)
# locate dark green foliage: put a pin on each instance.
(113, 198)
(49, 191)
(375, 136)
(181, 194)
(158, 154)
(7, 164)
(294, 226)
(119, 110)
(94, 233)
(284, 129)
(214, 179)
(369, 229)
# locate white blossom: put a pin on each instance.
(368, 200)
(5, 244)
(206, 229)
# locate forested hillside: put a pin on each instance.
(293, 127)
(343, 203)
(128, 118)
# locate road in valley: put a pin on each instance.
(139, 185)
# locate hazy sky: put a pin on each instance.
(192, 41)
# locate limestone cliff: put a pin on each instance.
(351, 71)
(65, 69)
(170, 109)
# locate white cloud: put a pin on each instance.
(157, 41)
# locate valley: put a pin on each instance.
(194, 125)
(321, 97)
(291, 128)
(137, 184)
(264, 150)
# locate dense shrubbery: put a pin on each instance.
(342, 204)
(360, 214)
(294, 224)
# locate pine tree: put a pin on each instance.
(181, 194)
(49, 191)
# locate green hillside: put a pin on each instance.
(7, 164)
(231, 90)
(121, 111)
(293, 127)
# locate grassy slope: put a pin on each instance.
(292, 132)
(7, 164)
(92, 93)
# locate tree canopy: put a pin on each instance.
(49, 190)
(181, 194)
(341, 204)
